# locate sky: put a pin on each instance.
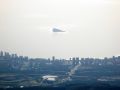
(92, 28)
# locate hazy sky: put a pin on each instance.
(92, 27)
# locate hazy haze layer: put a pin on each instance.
(92, 27)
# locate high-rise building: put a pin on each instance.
(77, 60)
(74, 62)
(53, 58)
(7, 55)
(1, 53)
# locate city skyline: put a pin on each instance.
(15, 55)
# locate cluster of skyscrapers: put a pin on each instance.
(13, 62)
